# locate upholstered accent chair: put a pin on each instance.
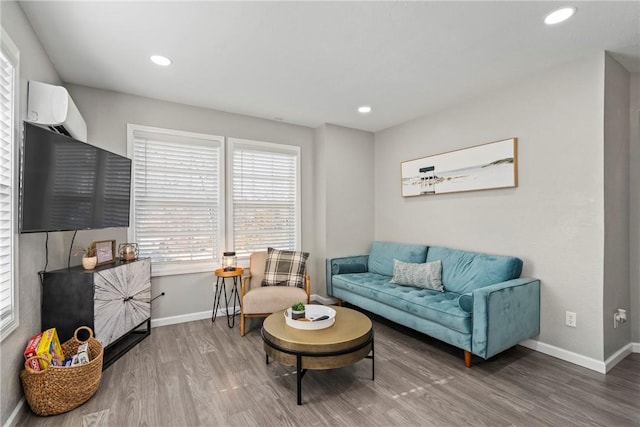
(261, 301)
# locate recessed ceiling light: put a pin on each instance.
(364, 109)
(160, 60)
(560, 15)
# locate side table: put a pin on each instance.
(221, 275)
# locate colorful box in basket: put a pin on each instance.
(47, 345)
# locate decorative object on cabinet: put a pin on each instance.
(483, 167)
(105, 250)
(114, 300)
(89, 258)
(128, 251)
(89, 263)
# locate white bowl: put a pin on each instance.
(312, 311)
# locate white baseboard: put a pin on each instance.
(15, 414)
(189, 317)
(618, 356)
(566, 355)
(579, 359)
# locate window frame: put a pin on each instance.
(267, 147)
(175, 268)
(12, 54)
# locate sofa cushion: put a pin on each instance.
(269, 299)
(463, 271)
(439, 307)
(424, 275)
(382, 254)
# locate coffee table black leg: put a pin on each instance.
(372, 356)
(299, 377)
(373, 362)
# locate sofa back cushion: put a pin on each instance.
(382, 254)
(464, 271)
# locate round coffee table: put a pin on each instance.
(348, 341)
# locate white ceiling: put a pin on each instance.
(310, 63)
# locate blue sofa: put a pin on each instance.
(485, 307)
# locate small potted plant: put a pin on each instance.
(297, 311)
(89, 257)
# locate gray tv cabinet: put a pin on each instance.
(114, 300)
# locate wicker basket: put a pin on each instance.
(59, 389)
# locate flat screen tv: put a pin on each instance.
(71, 185)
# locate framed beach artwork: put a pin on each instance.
(483, 167)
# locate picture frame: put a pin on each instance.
(105, 250)
(481, 167)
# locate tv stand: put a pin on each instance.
(114, 300)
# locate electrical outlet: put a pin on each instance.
(570, 319)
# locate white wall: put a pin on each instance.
(344, 161)
(553, 220)
(34, 65)
(634, 206)
(350, 192)
(616, 205)
(107, 114)
(320, 218)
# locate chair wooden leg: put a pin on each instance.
(467, 359)
(241, 324)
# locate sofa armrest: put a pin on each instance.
(505, 314)
(333, 267)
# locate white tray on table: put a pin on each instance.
(311, 312)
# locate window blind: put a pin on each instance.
(177, 198)
(264, 196)
(8, 301)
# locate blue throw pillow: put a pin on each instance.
(465, 301)
(353, 267)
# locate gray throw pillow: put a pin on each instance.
(427, 275)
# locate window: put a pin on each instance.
(9, 60)
(178, 198)
(264, 201)
(177, 203)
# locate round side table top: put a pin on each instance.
(237, 272)
(351, 327)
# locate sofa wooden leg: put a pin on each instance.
(467, 359)
(339, 303)
(241, 324)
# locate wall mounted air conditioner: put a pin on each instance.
(52, 106)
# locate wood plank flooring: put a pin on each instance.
(204, 374)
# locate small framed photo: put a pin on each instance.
(105, 250)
